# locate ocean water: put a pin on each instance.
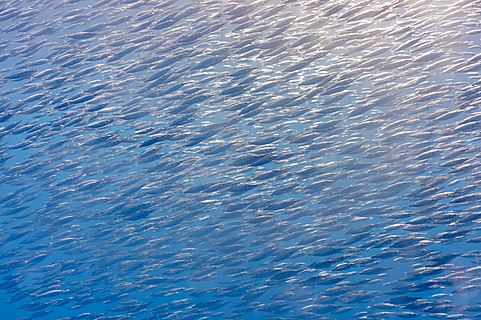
(240, 159)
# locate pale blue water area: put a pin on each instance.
(240, 160)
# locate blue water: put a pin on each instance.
(239, 160)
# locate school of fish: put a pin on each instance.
(234, 159)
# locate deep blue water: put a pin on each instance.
(240, 160)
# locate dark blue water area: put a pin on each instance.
(240, 160)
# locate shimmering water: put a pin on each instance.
(240, 160)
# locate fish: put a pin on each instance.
(215, 159)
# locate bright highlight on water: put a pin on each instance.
(227, 159)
